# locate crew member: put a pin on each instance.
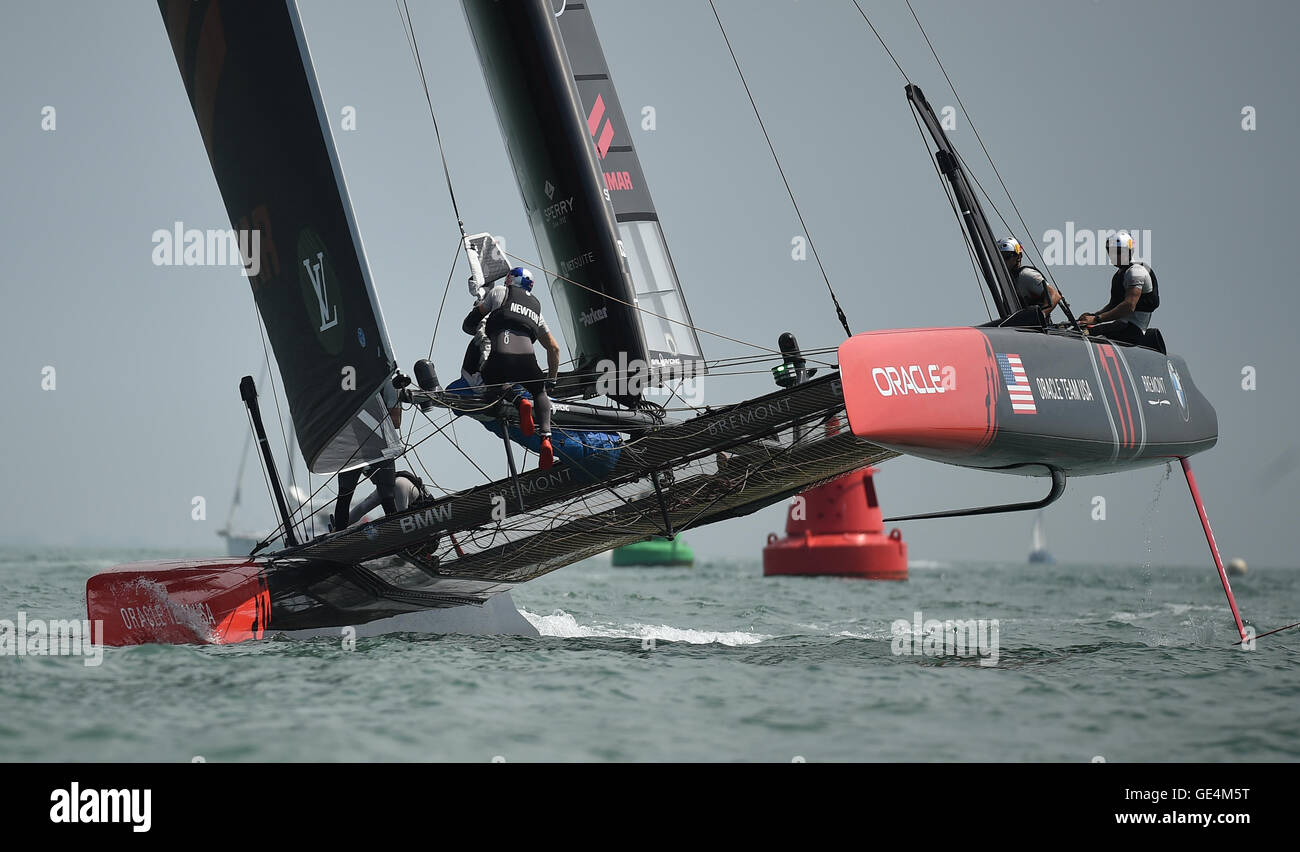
(406, 489)
(1134, 295)
(382, 473)
(1031, 286)
(514, 324)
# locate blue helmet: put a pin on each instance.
(520, 277)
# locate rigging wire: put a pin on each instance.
(952, 203)
(880, 39)
(798, 437)
(635, 307)
(943, 185)
(454, 444)
(979, 139)
(409, 28)
(451, 273)
(311, 497)
(839, 311)
(965, 167)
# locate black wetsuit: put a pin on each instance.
(384, 478)
(513, 329)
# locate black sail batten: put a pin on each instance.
(670, 336)
(249, 76)
(983, 243)
(528, 76)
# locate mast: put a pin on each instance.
(670, 336)
(248, 392)
(983, 243)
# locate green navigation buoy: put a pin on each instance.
(653, 552)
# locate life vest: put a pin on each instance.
(1149, 301)
(421, 493)
(520, 313)
(1015, 279)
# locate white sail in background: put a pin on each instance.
(1039, 553)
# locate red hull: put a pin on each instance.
(211, 601)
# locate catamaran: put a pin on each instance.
(1014, 395)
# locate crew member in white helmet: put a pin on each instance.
(1134, 295)
(1031, 286)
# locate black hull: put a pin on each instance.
(1024, 400)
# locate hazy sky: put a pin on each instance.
(1104, 114)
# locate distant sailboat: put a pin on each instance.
(1039, 553)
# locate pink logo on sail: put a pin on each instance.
(606, 132)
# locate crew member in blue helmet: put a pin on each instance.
(514, 325)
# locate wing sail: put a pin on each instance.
(250, 80)
(670, 337)
(531, 84)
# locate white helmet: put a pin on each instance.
(1119, 248)
(1010, 249)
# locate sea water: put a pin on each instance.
(712, 663)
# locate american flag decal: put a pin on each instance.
(1013, 373)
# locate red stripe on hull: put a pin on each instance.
(1110, 361)
(1114, 393)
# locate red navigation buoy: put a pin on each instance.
(837, 530)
